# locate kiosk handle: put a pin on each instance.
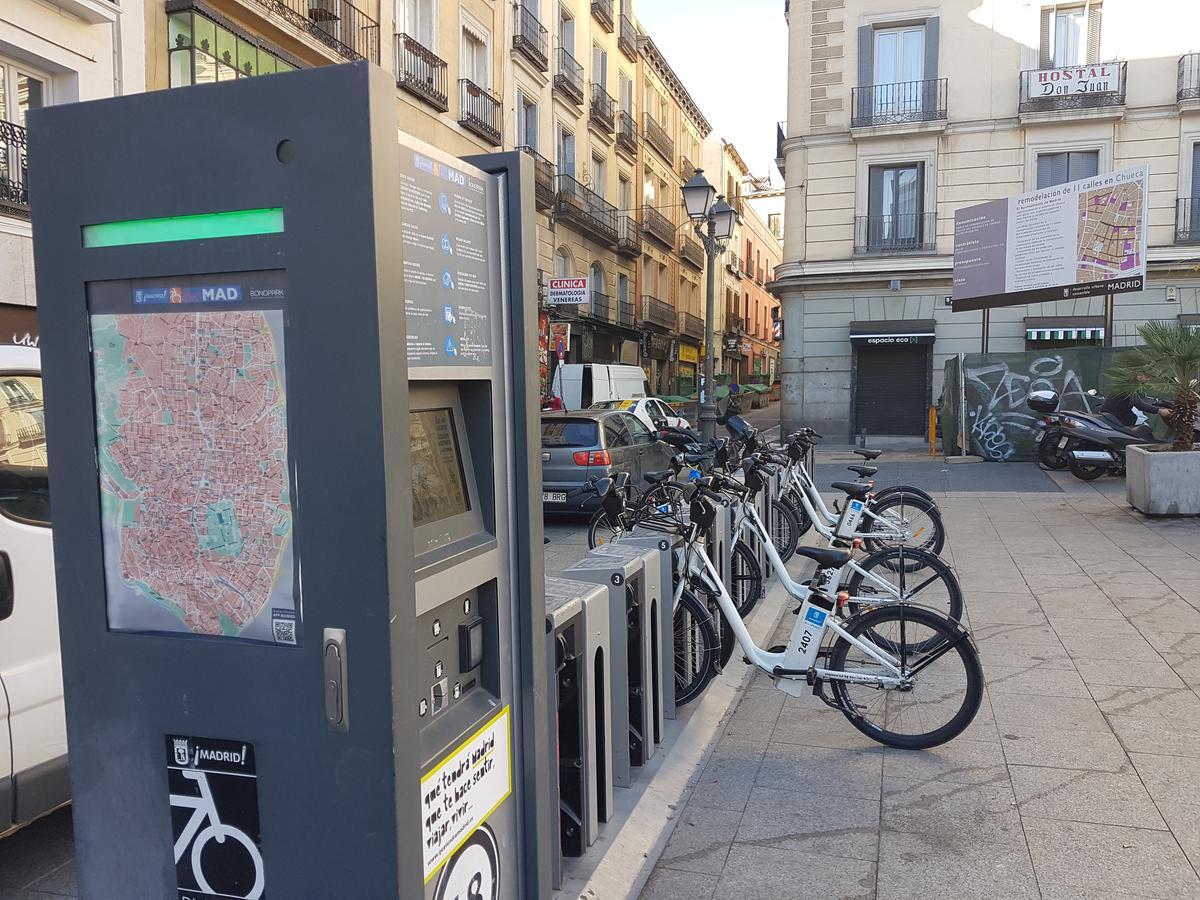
(337, 714)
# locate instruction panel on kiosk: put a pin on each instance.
(192, 445)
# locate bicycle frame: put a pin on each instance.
(791, 667)
(828, 524)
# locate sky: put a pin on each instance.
(732, 58)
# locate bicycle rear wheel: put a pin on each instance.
(803, 522)
(941, 684)
(695, 643)
(601, 530)
(746, 581)
(905, 575)
(917, 519)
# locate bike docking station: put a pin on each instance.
(571, 682)
(292, 434)
(661, 618)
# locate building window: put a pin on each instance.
(895, 201)
(565, 151)
(625, 193)
(527, 121)
(1060, 168)
(599, 175)
(564, 266)
(418, 19)
(476, 63)
(1070, 36)
(203, 51)
(566, 30)
(623, 288)
(20, 91)
(599, 65)
(625, 93)
(775, 224)
(899, 54)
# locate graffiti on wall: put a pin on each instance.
(1000, 426)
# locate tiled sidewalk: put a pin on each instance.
(1079, 779)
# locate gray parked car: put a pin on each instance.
(578, 445)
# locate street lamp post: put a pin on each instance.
(713, 223)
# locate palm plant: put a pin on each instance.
(1166, 366)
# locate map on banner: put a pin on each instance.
(191, 427)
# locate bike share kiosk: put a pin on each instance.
(298, 553)
(661, 618)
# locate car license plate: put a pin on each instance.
(554, 496)
(1038, 439)
(1062, 442)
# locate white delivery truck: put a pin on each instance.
(579, 385)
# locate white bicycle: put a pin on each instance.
(205, 810)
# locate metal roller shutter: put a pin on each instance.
(890, 390)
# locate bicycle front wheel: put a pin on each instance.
(940, 684)
(746, 582)
(905, 575)
(804, 523)
(904, 520)
(601, 530)
(695, 648)
(785, 530)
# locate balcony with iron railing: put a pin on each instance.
(338, 24)
(543, 178)
(14, 167)
(759, 276)
(479, 111)
(907, 103)
(627, 38)
(602, 109)
(691, 252)
(657, 137)
(901, 233)
(586, 209)
(734, 323)
(1188, 85)
(626, 314)
(692, 326)
(568, 76)
(686, 169)
(530, 37)
(657, 313)
(732, 263)
(421, 72)
(1086, 91)
(600, 307)
(602, 12)
(658, 226)
(747, 267)
(629, 236)
(1187, 220)
(627, 133)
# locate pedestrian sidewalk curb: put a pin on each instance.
(619, 864)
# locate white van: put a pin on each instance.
(33, 731)
(579, 385)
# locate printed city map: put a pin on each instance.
(195, 500)
(1110, 232)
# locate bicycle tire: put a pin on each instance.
(950, 643)
(785, 531)
(670, 494)
(933, 542)
(599, 527)
(745, 579)
(725, 638)
(904, 489)
(892, 565)
(694, 646)
(803, 522)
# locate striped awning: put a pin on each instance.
(1064, 334)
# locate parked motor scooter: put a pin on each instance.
(1056, 429)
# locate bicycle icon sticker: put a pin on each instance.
(213, 787)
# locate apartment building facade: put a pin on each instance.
(745, 311)
(899, 114)
(51, 53)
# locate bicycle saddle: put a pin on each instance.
(864, 471)
(824, 557)
(659, 477)
(858, 490)
(868, 454)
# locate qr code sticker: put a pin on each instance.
(284, 631)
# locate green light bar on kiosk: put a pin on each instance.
(238, 223)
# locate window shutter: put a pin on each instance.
(875, 192)
(931, 47)
(1195, 171)
(1046, 47)
(1093, 38)
(866, 62)
(1051, 169)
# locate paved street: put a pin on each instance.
(1079, 779)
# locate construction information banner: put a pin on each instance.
(1080, 239)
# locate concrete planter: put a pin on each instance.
(1162, 483)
